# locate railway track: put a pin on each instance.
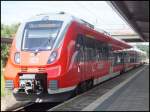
(104, 87)
(37, 107)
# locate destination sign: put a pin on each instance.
(44, 25)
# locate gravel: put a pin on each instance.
(8, 102)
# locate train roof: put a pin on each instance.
(132, 51)
(52, 16)
(67, 18)
(136, 50)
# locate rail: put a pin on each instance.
(6, 40)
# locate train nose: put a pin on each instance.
(29, 58)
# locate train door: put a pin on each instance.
(80, 57)
(111, 65)
(86, 63)
(88, 57)
(110, 58)
(126, 61)
(123, 61)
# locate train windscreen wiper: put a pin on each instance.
(44, 44)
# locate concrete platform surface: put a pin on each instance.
(128, 91)
(134, 96)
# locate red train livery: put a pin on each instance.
(55, 56)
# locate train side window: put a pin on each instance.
(79, 46)
(103, 49)
(88, 45)
(117, 58)
(97, 55)
(122, 58)
(99, 48)
(109, 51)
(88, 54)
(79, 42)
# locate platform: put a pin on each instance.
(128, 91)
(133, 96)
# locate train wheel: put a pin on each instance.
(89, 84)
(78, 90)
(122, 71)
(83, 86)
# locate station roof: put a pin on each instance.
(136, 13)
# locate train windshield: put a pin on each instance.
(40, 35)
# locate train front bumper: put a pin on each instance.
(58, 95)
(44, 97)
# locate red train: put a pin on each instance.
(54, 56)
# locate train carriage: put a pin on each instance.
(54, 56)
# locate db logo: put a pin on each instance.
(34, 60)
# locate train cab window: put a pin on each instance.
(40, 35)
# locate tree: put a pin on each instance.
(7, 31)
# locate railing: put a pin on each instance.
(6, 40)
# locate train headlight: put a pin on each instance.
(52, 57)
(17, 57)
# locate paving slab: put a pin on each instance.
(81, 101)
(134, 96)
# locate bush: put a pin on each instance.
(7, 31)
(4, 53)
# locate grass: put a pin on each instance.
(2, 86)
(4, 92)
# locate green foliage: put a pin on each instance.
(2, 84)
(2, 81)
(4, 53)
(4, 91)
(7, 31)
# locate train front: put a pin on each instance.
(33, 68)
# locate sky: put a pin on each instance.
(98, 13)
